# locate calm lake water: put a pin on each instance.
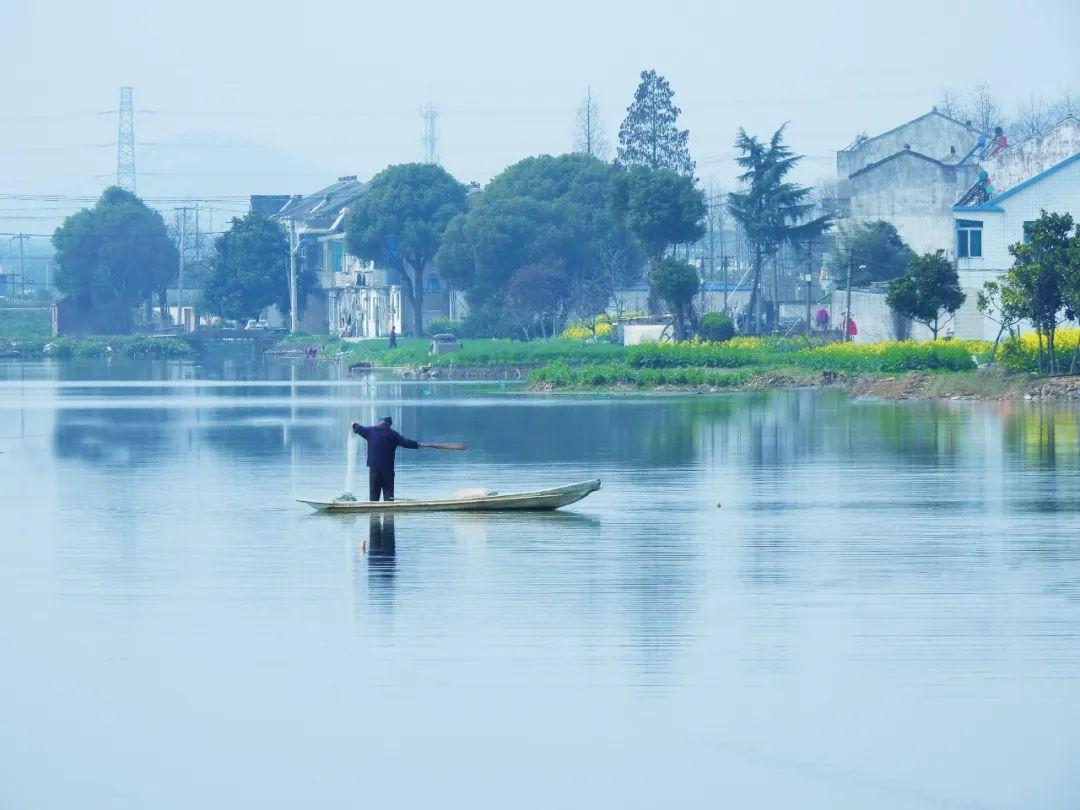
(883, 613)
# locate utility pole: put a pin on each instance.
(808, 277)
(847, 309)
(292, 276)
(125, 141)
(22, 237)
(430, 138)
(183, 245)
(724, 264)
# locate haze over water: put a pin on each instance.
(884, 612)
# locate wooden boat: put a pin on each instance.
(541, 499)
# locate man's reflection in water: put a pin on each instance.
(380, 553)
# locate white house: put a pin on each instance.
(910, 176)
(985, 231)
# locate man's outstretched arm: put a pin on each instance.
(408, 443)
(360, 430)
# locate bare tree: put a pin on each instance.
(1068, 105)
(1032, 117)
(619, 265)
(986, 112)
(951, 104)
(589, 138)
(978, 107)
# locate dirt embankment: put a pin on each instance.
(987, 385)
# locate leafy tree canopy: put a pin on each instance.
(401, 220)
(650, 135)
(114, 256)
(1043, 285)
(250, 269)
(928, 290)
(540, 293)
(877, 246)
(771, 209)
(542, 209)
(662, 208)
(676, 282)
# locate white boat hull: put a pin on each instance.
(542, 499)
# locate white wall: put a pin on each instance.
(874, 320)
(935, 135)
(1028, 158)
(1058, 192)
(913, 194)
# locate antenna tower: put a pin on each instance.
(125, 141)
(430, 138)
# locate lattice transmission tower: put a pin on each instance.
(430, 138)
(125, 141)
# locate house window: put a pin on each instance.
(432, 285)
(1029, 226)
(968, 239)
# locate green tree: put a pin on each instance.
(676, 283)
(999, 305)
(876, 245)
(716, 327)
(928, 290)
(650, 135)
(114, 256)
(662, 208)
(771, 210)
(250, 269)
(539, 293)
(542, 209)
(401, 219)
(1041, 281)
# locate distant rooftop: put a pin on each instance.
(319, 211)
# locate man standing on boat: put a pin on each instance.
(382, 444)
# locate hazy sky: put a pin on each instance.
(284, 97)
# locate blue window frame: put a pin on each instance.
(432, 285)
(968, 238)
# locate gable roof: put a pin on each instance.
(994, 203)
(975, 130)
(902, 153)
(322, 210)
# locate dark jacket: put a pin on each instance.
(382, 444)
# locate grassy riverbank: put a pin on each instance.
(896, 370)
(108, 346)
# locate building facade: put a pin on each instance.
(353, 298)
(946, 186)
(984, 232)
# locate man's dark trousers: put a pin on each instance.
(380, 482)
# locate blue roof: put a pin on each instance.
(993, 203)
(708, 286)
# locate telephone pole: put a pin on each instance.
(22, 237)
(847, 310)
(180, 293)
(125, 141)
(430, 138)
(292, 276)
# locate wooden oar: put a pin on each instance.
(444, 446)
